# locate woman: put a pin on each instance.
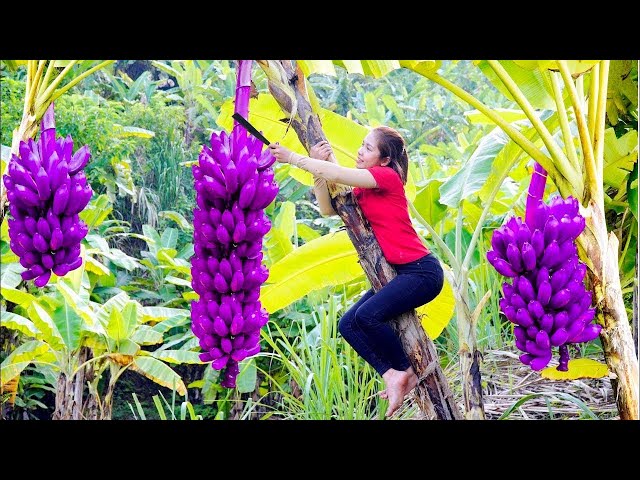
(379, 179)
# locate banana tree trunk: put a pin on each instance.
(69, 393)
(433, 394)
(470, 357)
(616, 337)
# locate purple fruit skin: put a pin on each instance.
(546, 299)
(41, 190)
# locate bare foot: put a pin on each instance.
(383, 394)
(398, 383)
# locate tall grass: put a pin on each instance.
(327, 378)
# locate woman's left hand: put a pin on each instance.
(282, 154)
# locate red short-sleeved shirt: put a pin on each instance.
(388, 213)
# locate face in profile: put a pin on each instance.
(369, 154)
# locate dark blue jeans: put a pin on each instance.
(365, 326)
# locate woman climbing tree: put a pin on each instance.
(379, 179)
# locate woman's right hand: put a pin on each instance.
(321, 150)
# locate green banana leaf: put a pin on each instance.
(10, 272)
(246, 381)
(620, 155)
(306, 232)
(328, 260)
(20, 359)
(69, 324)
(533, 83)
(277, 245)
(155, 370)
(421, 66)
(13, 321)
(427, 202)
(96, 211)
(507, 114)
(44, 323)
(632, 191)
(286, 219)
(476, 170)
(19, 297)
(146, 335)
(169, 323)
(122, 324)
(177, 217)
(157, 314)
(177, 356)
(436, 315)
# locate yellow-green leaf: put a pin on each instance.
(160, 313)
(317, 66)
(20, 358)
(379, 68)
(177, 281)
(620, 154)
(18, 322)
(421, 66)
(352, 66)
(43, 322)
(177, 356)
(18, 297)
(169, 323)
(96, 211)
(177, 217)
(328, 260)
(578, 368)
(75, 302)
(132, 131)
(436, 314)
(306, 232)
(277, 245)
(116, 302)
(190, 295)
(93, 265)
(146, 335)
(10, 274)
(507, 114)
(160, 373)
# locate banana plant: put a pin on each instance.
(83, 339)
(576, 165)
(43, 86)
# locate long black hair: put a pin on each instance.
(392, 145)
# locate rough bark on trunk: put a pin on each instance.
(433, 394)
(69, 393)
(470, 357)
(616, 337)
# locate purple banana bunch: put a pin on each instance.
(233, 183)
(547, 299)
(47, 189)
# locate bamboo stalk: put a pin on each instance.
(564, 121)
(587, 149)
(565, 168)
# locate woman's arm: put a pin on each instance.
(331, 172)
(322, 196)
